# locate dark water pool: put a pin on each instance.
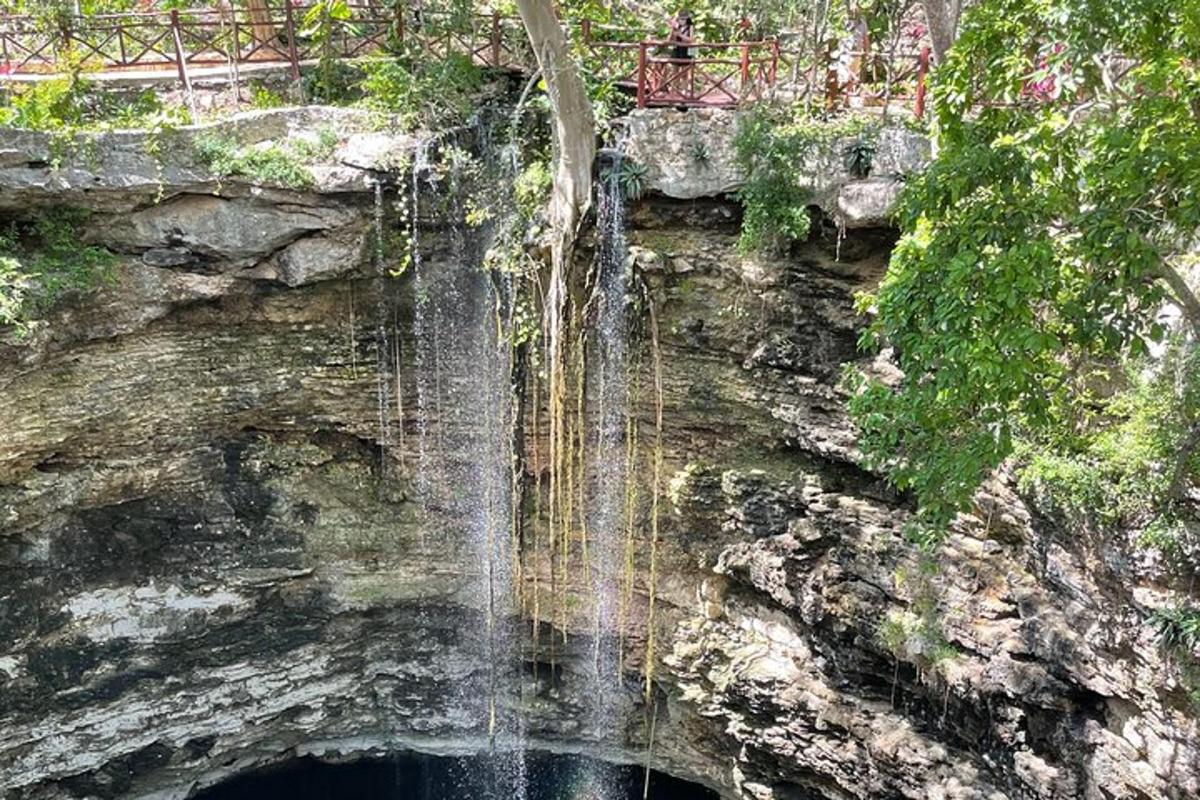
(427, 778)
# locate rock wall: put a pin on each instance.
(204, 567)
(693, 154)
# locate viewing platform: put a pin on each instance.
(226, 43)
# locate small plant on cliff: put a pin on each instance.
(41, 260)
(276, 164)
(858, 157)
(1178, 628)
(631, 178)
(1178, 631)
(532, 187)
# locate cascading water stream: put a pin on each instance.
(462, 324)
(607, 354)
(383, 357)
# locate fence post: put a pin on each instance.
(585, 30)
(293, 54)
(495, 38)
(177, 38)
(922, 71)
(745, 72)
(399, 11)
(641, 76)
(774, 61)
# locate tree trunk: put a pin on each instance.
(574, 152)
(942, 17)
(260, 20)
(574, 124)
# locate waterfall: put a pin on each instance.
(466, 431)
(462, 327)
(607, 354)
(383, 359)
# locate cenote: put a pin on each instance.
(413, 777)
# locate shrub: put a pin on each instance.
(773, 150)
(1119, 466)
(280, 165)
(532, 187)
(421, 92)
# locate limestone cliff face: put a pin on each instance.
(207, 565)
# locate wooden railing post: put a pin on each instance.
(774, 61)
(399, 12)
(585, 31)
(293, 53)
(745, 72)
(922, 72)
(495, 39)
(641, 75)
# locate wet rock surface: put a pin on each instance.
(208, 563)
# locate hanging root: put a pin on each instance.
(650, 750)
(625, 597)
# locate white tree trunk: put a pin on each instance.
(942, 17)
(574, 126)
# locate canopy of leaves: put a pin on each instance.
(1066, 188)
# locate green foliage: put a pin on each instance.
(858, 157)
(1031, 246)
(419, 91)
(52, 104)
(1178, 628)
(275, 164)
(774, 150)
(72, 104)
(262, 97)
(532, 187)
(910, 637)
(632, 179)
(324, 21)
(44, 258)
(1117, 465)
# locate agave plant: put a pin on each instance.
(632, 178)
(1178, 628)
(858, 157)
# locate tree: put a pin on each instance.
(570, 196)
(942, 18)
(574, 123)
(1043, 240)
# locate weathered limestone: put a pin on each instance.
(691, 154)
(205, 568)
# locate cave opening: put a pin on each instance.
(419, 777)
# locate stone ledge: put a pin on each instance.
(692, 154)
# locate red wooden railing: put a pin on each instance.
(713, 75)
